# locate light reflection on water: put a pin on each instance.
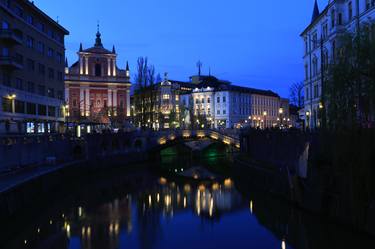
(149, 211)
(167, 214)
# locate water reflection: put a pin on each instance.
(148, 211)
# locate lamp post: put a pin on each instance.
(281, 111)
(307, 119)
(265, 119)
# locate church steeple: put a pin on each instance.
(98, 40)
(80, 47)
(316, 12)
(113, 49)
(127, 71)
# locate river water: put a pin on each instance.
(166, 204)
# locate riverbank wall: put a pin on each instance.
(340, 179)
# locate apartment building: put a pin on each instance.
(32, 56)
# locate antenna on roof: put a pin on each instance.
(57, 19)
(199, 65)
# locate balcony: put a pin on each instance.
(10, 62)
(10, 37)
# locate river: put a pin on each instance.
(179, 202)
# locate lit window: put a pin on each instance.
(166, 96)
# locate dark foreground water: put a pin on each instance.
(143, 208)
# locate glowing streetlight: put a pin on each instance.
(281, 110)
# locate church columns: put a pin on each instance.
(128, 103)
(87, 65)
(87, 101)
(82, 101)
(109, 98)
(80, 65)
(109, 66)
(114, 67)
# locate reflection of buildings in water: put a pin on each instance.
(100, 228)
(206, 199)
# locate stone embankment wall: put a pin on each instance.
(340, 180)
(19, 151)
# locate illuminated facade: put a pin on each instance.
(223, 105)
(32, 56)
(320, 46)
(96, 89)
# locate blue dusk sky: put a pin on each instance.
(252, 43)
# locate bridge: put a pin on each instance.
(165, 138)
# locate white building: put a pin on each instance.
(227, 106)
(320, 43)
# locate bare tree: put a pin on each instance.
(296, 94)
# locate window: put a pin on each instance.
(50, 33)
(307, 93)
(208, 100)
(224, 112)
(218, 99)
(166, 96)
(29, 42)
(41, 69)
(325, 31)
(40, 26)
(51, 92)
(7, 105)
(60, 95)
(18, 11)
(218, 112)
(202, 101)
(19, 106)
(59, 75)
(41, 128)
(30, 19)
(50, 52)
(350, 10)
(368, 6)
(315, 40)
(19, 84)
(42, 110)
(41, 90)
(98, 70)
(196, 101)
(340, 18)
(4, 25)
(30, 127)
(51, 73)
(19, 58)
(316, 91)
(51, 111)
(40, 47)
(30, 87)
(59, 58)
(224, 100)
(6, 79)
(31, 108)
(5, 51)
(315, 66)
(30, 64)
(333, 18)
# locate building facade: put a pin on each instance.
(158, 106)
(320, 46)
(32, 56)
(218, 104)
(97, 91)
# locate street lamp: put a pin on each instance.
(265, 119)
(308, 119)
